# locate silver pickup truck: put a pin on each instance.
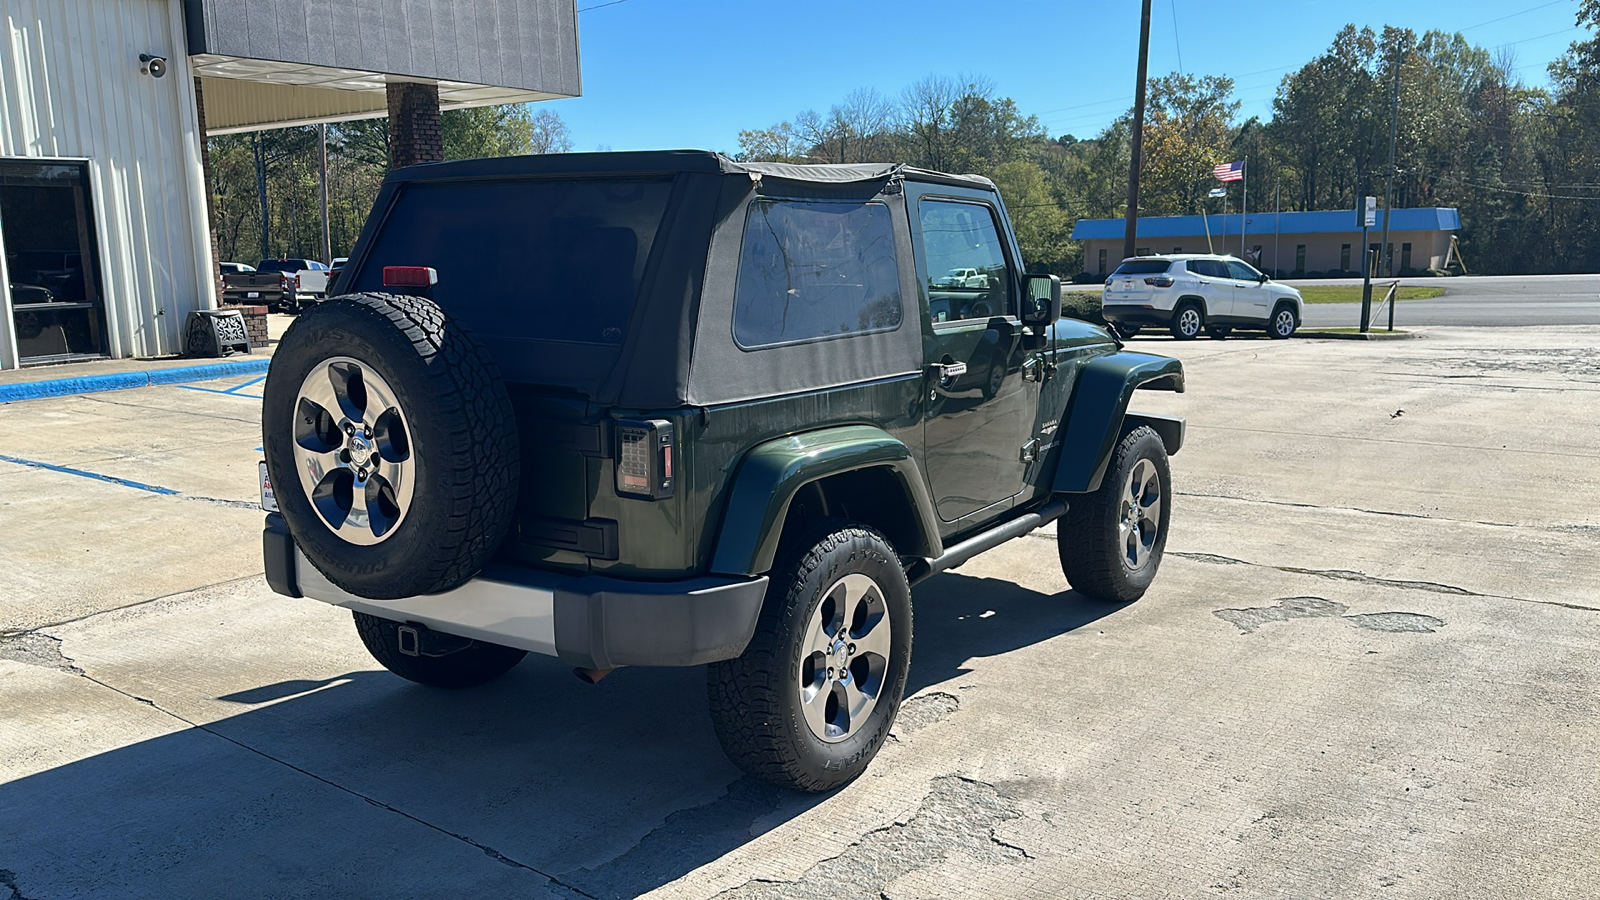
(283, 285)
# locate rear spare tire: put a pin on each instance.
(391, 444)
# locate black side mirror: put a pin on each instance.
(1261, 278)
(1042, 305)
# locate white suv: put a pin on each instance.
(1190, 293)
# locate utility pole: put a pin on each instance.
(1137, 145)
(1388, 183)
(322, 178)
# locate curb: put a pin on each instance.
(88, 384)
(1358, 336)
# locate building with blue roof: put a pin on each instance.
(1289, 243)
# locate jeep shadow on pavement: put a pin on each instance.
(668, 409)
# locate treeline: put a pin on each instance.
(1521, 164)
(266, 196)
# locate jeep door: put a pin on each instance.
(979, 412)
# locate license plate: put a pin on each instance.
(252, 295)
(269, 502)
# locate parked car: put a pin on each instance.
(963, 278)
(1192, 293)
(283, 285)
(670, 409)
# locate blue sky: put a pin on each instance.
(692, 73)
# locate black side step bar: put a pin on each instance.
(987, 540)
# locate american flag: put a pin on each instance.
(1233, 171)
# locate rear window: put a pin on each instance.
(810, 270)
(1142, 267)
(527, 260)
(280, 265)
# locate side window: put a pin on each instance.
(1198, 267)
(810, 270)
(964, 263)
(1242, 272)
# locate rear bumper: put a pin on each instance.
(587, 621)
(1135, 314)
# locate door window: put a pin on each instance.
(1210, 268)
(1242, 271)
(963, 262)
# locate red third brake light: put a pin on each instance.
(409, 276)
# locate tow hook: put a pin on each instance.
(591, 676)
(417, 639)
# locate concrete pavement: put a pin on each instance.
(1367, 668)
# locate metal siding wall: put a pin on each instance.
(525, 44)
(71, 87)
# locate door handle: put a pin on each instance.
(947, 371)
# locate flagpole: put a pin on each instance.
(1244, 208)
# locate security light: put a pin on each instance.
(154, 66)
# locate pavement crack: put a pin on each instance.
(34, 649)
(957, 818)
(1355, 509)
(1432, 587)
(6, 632)
(218, 501)
(487, 850)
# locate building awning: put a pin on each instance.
(1336, 221)
(297, 62)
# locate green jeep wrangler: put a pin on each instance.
(668, 409)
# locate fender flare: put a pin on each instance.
(772, 473)
(1098, 408)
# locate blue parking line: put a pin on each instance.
(229, 392)
(112, 479)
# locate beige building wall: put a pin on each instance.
(1323, 252)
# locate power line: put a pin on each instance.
(602, 5)
(1175, 42)
(1513, 15)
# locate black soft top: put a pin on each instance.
(678, 346)
(669, 162)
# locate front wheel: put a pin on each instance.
(812, 699)
(1111, 541)
(1284, 322)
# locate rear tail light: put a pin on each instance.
(644, 459)
(1159, 281)
(297, 281)
(283, 281)
(409, 276)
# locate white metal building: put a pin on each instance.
(104, 231)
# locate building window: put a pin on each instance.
(1405, 256)
(1141, 251)
(1102, 262)
(1177, 249)
(1344, 257)
(1300, 258)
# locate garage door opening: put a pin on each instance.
(47, 229)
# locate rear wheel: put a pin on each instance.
(449, 663)
(811, 701)
(1188, 321)
(1129, 332)
(1111, 541)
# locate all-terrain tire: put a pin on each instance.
(1093, 538)
(1188, 320)
(756, 704)
(462, 443)
(476, 663)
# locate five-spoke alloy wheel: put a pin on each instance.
(352, 450)
(816, 691)
(1111, 540)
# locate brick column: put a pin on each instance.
(211, 190)
(414, 132)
